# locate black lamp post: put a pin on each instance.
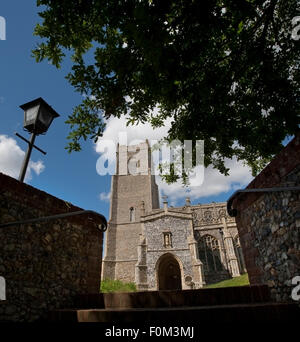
(38, 116)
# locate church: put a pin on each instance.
(165, 248)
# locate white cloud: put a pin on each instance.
(214, 182)
(141, 131)
(11, 158)
(105, 196)
(37, 167)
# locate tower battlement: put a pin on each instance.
(134, 159)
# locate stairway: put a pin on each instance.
(225, 304)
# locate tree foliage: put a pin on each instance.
(225, 71)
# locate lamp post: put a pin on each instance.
(38, 116)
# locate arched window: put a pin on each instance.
(131, 214)
(209, 253)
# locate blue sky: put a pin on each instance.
(72, 177)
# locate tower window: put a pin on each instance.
(131, 214)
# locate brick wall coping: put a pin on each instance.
(283, 163)
(44, 202)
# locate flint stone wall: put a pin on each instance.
(44, 264)
(180, 229)
(269, 224)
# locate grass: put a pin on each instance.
(243, 280)
(109, 285)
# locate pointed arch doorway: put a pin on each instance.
(169, 274)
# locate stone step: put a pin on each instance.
(162, 299)
(260, 312)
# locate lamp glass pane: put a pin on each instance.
(31, 114)
(45, 117)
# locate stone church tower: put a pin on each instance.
(133, 191)
(164, 248)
